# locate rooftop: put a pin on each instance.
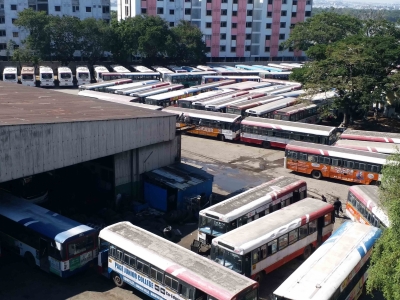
(20, 105)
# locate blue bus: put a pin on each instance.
(267, 68)
(44, 238)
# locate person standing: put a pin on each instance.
(338, 206)
(323, 198)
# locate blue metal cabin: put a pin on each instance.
(169, 188)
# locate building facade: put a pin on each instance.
(9, 9)
(244, 30)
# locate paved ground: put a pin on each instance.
(235, 167)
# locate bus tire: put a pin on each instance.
(118, 280)
(221, 137)
(29, 259)
(266, 145)
(316, 174)
(259, 277)
(306, 253)
(373, 182)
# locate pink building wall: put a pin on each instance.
(300, 16)
(275, 27)
(151, 7)
(241, 28)
(215, 27)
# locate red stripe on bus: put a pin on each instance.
(328, 208)
(365, 138)
(304, 149)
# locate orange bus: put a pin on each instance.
(339, 163)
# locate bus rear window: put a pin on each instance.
(47, 76)
(9, 76)
(65, 75)
(27, 77)
(83, 75)
(81, 245)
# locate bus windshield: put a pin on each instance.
(213, 227)
(81, 245)
(9, 76)
(83, 75)
(27, 77)
(47, 75)
(227, 259)
(65, 75)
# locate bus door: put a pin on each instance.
(296, 196)
(320, 226)
(44, 255)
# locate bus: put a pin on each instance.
(177, 69)
(191, 69)
(363, 206)
(101, 86)
(247, 85)
(268, 110)
(371, 136)
(295, 93)
(303, 112)
(268, 68)
(46, 76)
(213, 85)
(276, 75)
(385, 148)
(28, 77)
(142, 95)
(10, 74)
(187, 79)
(129, 86)
(136, 76)
(247, 68)
(240, 108)
(213, 78)
(249, 206)
(119, 69)
(201, 104)
(240, 73)
(171, 98)
(262, 246)
(267, 89)
(164, 270)
(65, 77)
(207, 123)
(331, 162)
(278, 66)
(338, 269)
(144, 87)
(276, 133)
(187, 102)
(98, 72)
(223, 104)
(162, 71)
(44, 238)
(82, 75)
(205, 68)
(142, 69)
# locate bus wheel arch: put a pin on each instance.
(316, 174)
(307, 252)
(29, 259)
(260, 276)
(117, 280)
(266, 145)
(221, 137)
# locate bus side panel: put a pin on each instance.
(212, 132)
(354, 215)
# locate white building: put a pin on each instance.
(9, 9)
(247, 30)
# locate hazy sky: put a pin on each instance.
(366, 1)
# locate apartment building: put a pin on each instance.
(235, 30)
(9, 9)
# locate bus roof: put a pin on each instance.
(387, 148)
(263, 230)
(39, 219)
(120, 82)
(373, 136)
(265, 108)
(295, 108)
(106, 96)
(10, 70)
(189, 74)
(238, 205)
(214, 279)
(28, 70)
(201, 114)
(205, 95)
(120, 69)
(245, 104)
(246, 85)
(327, 268)
(158, 90)
(64, 69)
(293, 93)
(319, 96)
(215, 84)
(82, 69)
(100, 69)
(369, 196)
(225, 102)
(45, 69)
(173, 94)
(132, 85)
(221, 97)
(267, 88)
(317, 149)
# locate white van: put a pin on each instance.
(82, 75)
(28, 77)
(98, 71)
(10, 74)
(46, 76)
(65, 77)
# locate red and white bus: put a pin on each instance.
(245, 86)
(303, 112)
(201, 104)
(241, 78)
(371, 136)
(276, 133)
(207, 96)
(363, 206)
(248, 206)
(222, 105)
(240, 108)
(386, 148)
(268, 243)
(332, 162)
(268, 110)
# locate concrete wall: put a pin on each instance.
(31, 149)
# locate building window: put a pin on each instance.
(268, 26)
(249, 13)
(234, 13)
(13, 7)
(270, 1)
(208, 37)
(208, 12)
(171, 0)
(16, 46)
(248, 24)
(282, 36)
(208, 25)
(294, 2)
(233, 38)
(2, 20)
(291, 49)
(267, 49)
(126, 2)
(235, 1)
(223, 36)
(234, 25)
(308, 2)
(294, 14)
(283, 13)
(57, 8)
(208, 1)
(188, 11)
(267, 37)
(208, 49)
(247, 48)
(2, 33)
(233, 49)
(15, 34)
(171, 24)
(172, 12)
(308, 13)
(284, 1)
(224, 1)
(3, 46)
(106, 9)
(75, 8)
(269, 14)
(248, 36)
(223, 24)
(224, 12)
(144, 10)
(126, 10)
(13, 20)
(283, 24)
(249, 1)
(88, 9)
(222, 48)
(160, 10)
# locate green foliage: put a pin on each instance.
(94, 39)
(389, 15)
(384, 272)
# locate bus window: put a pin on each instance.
(312, 227)
(303, 231)
(283, 241)
(186, 291)
(293, 235)
(328, 219)
(272, 247)
(336, 162)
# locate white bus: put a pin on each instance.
(371, 136)
(171, 98)
(142, 95)
(240, 78)
(336, 270)
(98, 73)
(268, 243)
(119, 69)
(201, 104)
(28, 77)
(142, 69)
(10, 74)
(65, 77)
(101, 86)
(129, 86)
(46, 76)
(145, 87)
(247, 85)
(278, 66)
(267, 110)
(240, 108)
(164, 270)
(135, 76)
(205, 68)
(223, 104)
(82, 75)
(187, 102)
(163, 71)
(248, 206)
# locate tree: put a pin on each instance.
(122, 39)
(384, 272)
(65, 37)
(10, 48)
(22, 55)
(114, 15)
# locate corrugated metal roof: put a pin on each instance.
(20, 105)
